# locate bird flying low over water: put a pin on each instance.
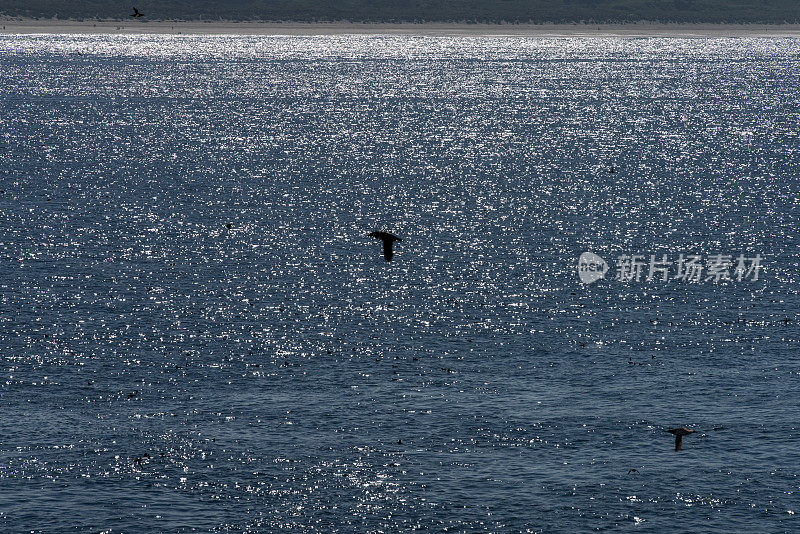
(388, 239)
(136, 13)
(679, 433)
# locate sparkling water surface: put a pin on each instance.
(163, 372)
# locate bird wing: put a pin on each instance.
(385, 236)
(678, 441)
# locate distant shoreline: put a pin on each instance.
(637, 29)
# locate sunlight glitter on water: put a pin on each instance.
(198, 334)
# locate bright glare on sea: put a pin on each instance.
(163, 372)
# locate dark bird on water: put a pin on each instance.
(634, 470)
(387, 239)
(679, 433)
(136, 13)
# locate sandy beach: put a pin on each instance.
(640, 29)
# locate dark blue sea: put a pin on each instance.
(197, 334)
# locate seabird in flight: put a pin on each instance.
(387, 239)
(136, 13)
(679, 433)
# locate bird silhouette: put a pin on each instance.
(388, 239)
(679, 433)
(136, 13)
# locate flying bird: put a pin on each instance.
(679, 433)
(387, 239)
(136, 13)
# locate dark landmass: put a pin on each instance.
(394, 11)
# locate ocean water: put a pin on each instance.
(196, 334)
